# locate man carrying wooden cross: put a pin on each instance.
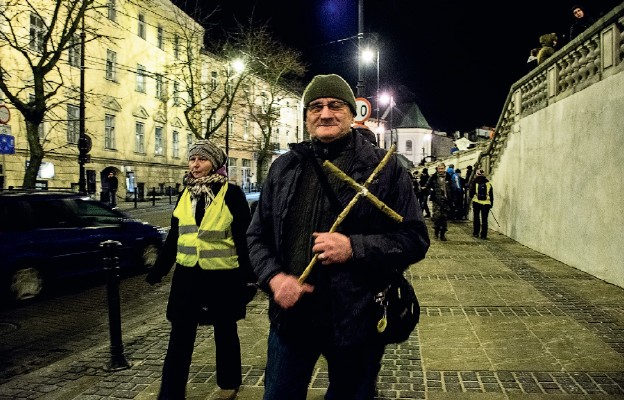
(332, 312)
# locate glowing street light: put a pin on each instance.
(368, 56)
(388, 99)
(237, 66)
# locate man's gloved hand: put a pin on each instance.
(153, 278)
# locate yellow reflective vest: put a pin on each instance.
(211, 244)
(487, 200)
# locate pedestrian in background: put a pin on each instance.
(482, 201)
(213, 280)
(423, 195)
(532, 60)
(548, 42)
(112, 186)
(439, 186)
(332, 313)
(581, 21)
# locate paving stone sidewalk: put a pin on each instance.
(499, 321)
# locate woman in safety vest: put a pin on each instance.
(213, 280)
(482, 197)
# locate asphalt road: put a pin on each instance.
(70, 318)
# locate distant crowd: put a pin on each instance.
(451, 195)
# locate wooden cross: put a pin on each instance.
(362, 191)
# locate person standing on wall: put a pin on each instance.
(213, 280)
(332, 313)
(112, 185)
(581, 21)
(482, 201)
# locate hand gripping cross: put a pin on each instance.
(362, 191)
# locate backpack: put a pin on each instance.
(482, 191)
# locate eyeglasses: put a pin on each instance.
(334, 106)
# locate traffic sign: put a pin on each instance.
(363, 109)
(5, 114)
(7, 141)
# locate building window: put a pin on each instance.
(175, 142)
(176, 46)
(141, 27)
(212, 122)
(73, 123)
(111, 65)
(139, 137)
(408, 147)
(74, 51)
(233, 168)
(189, 140)
(230, 124)
(140, 78)
(112, 10)
(37, 32)
(109, 132)
(176, 93)
(160, 90)
(213, 80)
(161, 37)
(246, 129)
(158, 141)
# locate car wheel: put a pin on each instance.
(149, 254)
(26, 283)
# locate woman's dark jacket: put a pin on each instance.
(380, 245)
(211, 294)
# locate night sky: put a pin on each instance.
(456, 59)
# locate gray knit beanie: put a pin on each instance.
(329, 86)
(207, 149)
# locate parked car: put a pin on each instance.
(50, 237)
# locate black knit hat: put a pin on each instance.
(329, 86)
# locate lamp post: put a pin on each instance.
(367, 56)
(360, 36)
(237, 66)
(83, 147)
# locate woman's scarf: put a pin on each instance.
(204, 187)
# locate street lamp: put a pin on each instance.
(388, 99)
(237, 65)
(368, 56)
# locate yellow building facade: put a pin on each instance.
(136, 90)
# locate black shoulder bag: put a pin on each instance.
(399, 311)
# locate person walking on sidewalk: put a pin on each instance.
(112, 185)
(423, 194)
(439, 185)
(332, 313)
(213, 280)
(482, 201)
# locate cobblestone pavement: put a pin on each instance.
(498, 321)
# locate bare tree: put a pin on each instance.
(53, 27)
(207, 102)
(278, 70)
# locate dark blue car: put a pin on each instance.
(50, 237)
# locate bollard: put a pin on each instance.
(153, 196)
(170, 190)
(136, 196)
(111, 266)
